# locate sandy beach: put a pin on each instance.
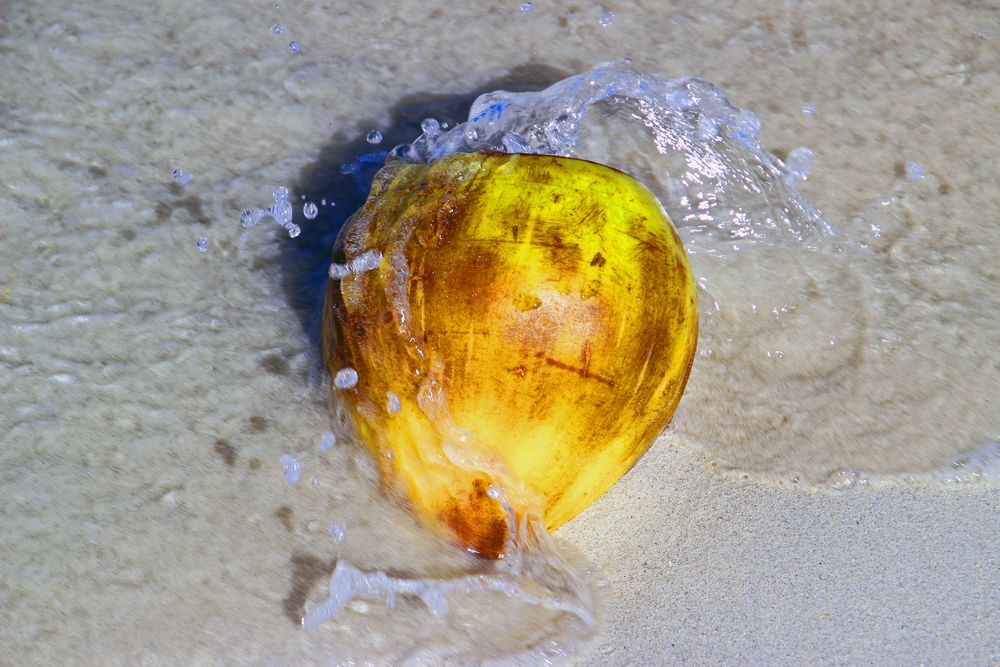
(157, 360)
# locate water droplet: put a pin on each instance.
(430, 126)
(606, 18)
(915, 171)
(337, 530)
(310, 211)
(392, 403)
(181, 177)
(526, 7)
(326, 442)
(322, 202)
(282, 211)
(471, 135)
(291, 468)
(800, 163)
(251, 216)
(346, 378)
(277, 28)
(366, 261)
(202, 243)
(809, 109)
(293, 47)
(374, 137)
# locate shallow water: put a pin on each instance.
(150, 384)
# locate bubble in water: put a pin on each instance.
(526, 8)
(326, 442)
(392, 404)
(800, 163)
(277, 28)
(471, 135)
(430, 126)
(346, 378)
(293, 47)
(202, 243)
(181, 177)
(291, 468)
(374, 137)
(606, 18)
(310, 211)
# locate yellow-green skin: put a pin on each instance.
(535, 316)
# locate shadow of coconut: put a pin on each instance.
(342, 176)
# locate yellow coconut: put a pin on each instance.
(522, 327)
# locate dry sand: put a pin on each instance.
(147, 390)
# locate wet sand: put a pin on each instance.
(148, 390)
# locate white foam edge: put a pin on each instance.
(348, 582)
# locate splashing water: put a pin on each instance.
(823, 358)
(346, 378)
(512, 580)
(835, 351)
(280, 212)
(366, 261)
(181, 177)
